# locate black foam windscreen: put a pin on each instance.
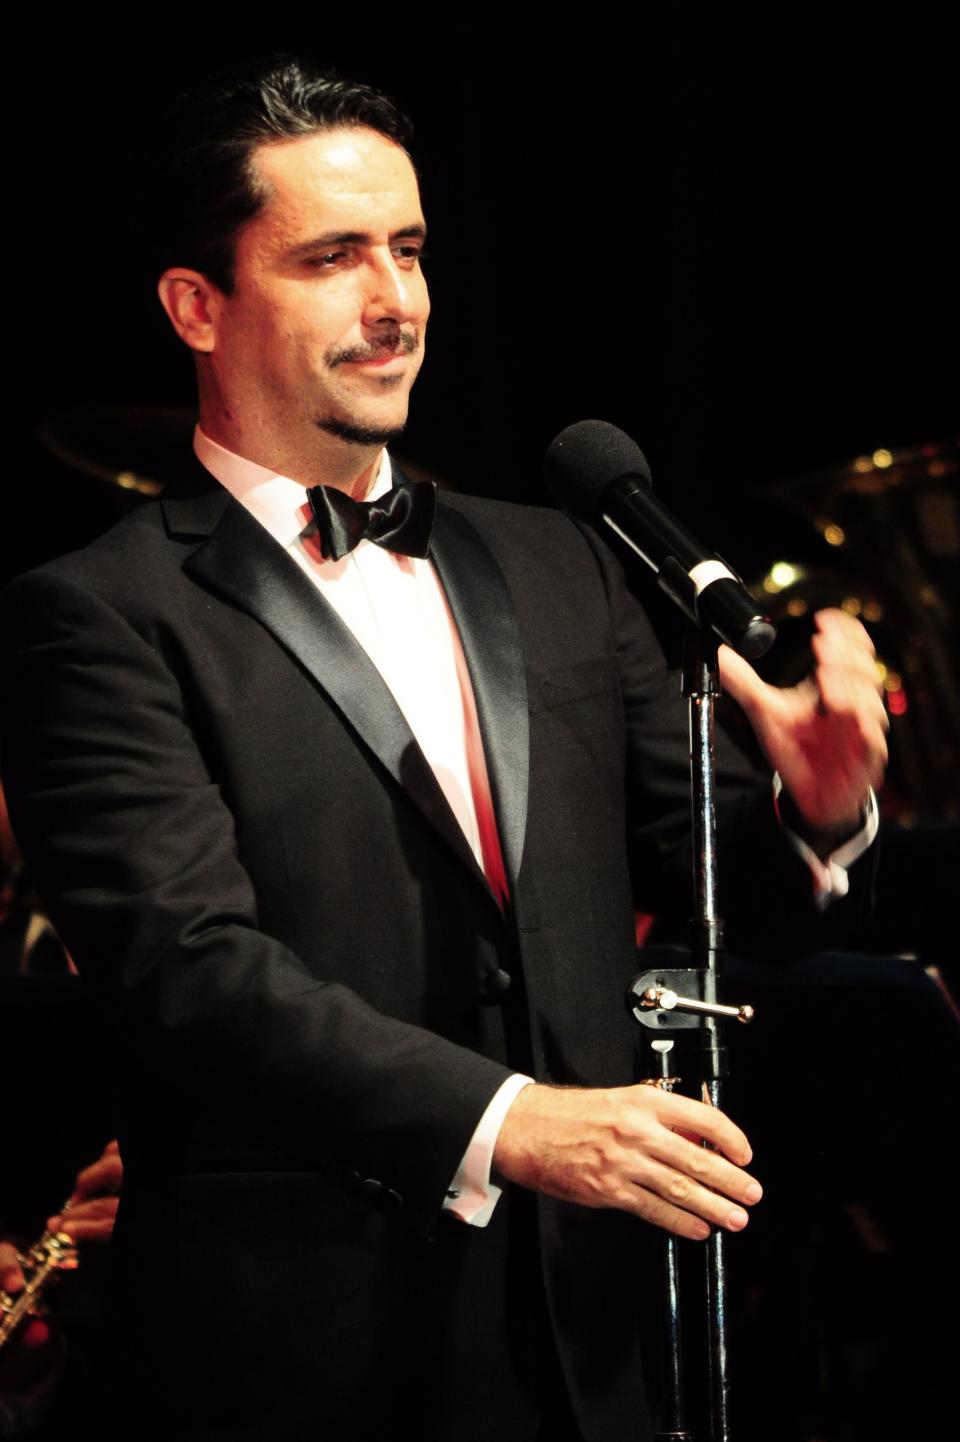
(585, 459)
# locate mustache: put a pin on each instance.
(400, 342)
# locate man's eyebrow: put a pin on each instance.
(332, 238)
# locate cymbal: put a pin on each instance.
(136, 448)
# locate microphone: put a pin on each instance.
(598, 473)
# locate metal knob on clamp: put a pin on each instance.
(663, 996)
(655, 999)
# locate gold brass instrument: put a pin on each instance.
(879, 537)
(54, 1253)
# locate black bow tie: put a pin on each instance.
(402, 520)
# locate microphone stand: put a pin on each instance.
(599, 471)
(701, 685)
(654, 1002)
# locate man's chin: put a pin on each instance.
(358, 435)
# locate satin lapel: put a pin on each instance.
(483, 609)
(242, 563)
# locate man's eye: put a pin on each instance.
(328, 260)
(411, 253)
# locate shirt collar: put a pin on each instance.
(277, 502)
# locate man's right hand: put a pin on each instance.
(629, 1148)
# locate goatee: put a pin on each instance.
(361, 435)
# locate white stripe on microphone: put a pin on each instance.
(706, 572)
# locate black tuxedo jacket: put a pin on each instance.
(235, 828)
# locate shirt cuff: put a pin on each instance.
(830, 877)
(471, 1196)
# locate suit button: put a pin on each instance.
(371, 1188)
(496, 984)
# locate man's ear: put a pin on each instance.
(191, 302)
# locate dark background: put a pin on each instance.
(736, 243)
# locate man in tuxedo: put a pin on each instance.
(353, 805)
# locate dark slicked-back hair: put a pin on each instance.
(210, 186)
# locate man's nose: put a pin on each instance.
(391, 293)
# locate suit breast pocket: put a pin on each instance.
(578, 681)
